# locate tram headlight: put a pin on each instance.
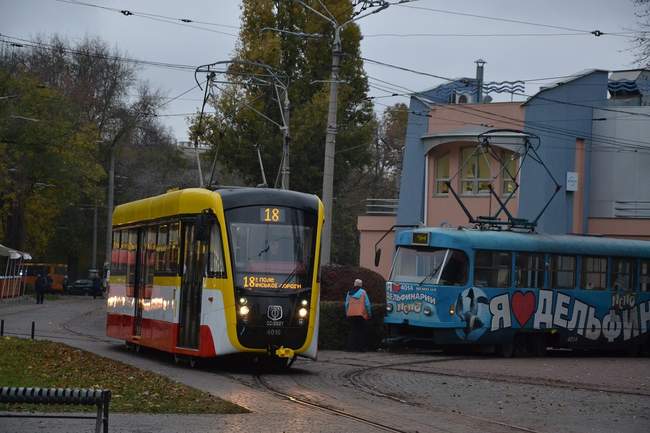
(304, 302)
(389, 308)
(302, 313)
(427, 311)
(244, 310)
(243, 301)
(451, 310)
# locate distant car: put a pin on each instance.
(81, 287)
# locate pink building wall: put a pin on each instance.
(449, 117)
(371, 229)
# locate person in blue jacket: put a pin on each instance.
(357, 311)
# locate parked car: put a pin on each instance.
(81, 287)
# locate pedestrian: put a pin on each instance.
(357, 311)
(97, 287)
(39, 287)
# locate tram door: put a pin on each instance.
(136, 239)
(194, 260)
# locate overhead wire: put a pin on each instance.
(185, 22)
(596, 32)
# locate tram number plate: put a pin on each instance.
(274, 331)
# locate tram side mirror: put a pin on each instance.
(203, 222)
(377, 256)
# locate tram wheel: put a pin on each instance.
(537, 344)
(506, 350)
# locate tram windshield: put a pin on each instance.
(271, 247)
(441, 266)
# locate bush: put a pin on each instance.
(336, 280)
(334, 328)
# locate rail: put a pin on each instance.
(381, 206)
(77, 396)
(632, 209)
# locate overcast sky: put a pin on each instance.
(508, 57)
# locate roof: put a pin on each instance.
(185, 201)
(13, 254)
(195, 200)
(504, 139)
(565, 80)
(468, 239)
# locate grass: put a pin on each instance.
(47, 364)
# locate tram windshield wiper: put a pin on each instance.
(436, 269)
(295, 269)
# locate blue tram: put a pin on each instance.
(519, 292)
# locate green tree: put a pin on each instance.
(49, 159)
(305, 63)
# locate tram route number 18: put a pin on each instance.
(272, 215)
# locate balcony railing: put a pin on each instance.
(632, 209)
(381, 206)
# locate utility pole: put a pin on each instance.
(287, 140)
(94, 265)
(332, 127)
(109, 206)
(330, 149)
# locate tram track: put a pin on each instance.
(400, 367)
(303, 402)
(355, 377)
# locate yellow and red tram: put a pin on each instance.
(203, 273)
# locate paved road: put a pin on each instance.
(368, 392)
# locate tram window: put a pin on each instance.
(432, 265)
(161, 247)
(492, 269)
(216, 266)
(594, 273)
(529, 270)
(174, 247)
(645, 276)
(116, 263)
(622, 274)
(454, 273)
(130, 248)
(563, 272)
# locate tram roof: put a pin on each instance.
(533, 242)
(194, 200)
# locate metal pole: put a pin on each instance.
(109, 206)
(33, 329)
(330, 148)
(94, 266)
(287, 140)
(2, 328)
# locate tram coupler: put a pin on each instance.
(284, 352)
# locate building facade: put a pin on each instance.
(593, 130)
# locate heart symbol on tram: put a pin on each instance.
(523, 306)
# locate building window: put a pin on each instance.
(476, 177)
(492, 269)
(594, 273)
(529, 270)
(509, 171)
(622, 274)
(442, 175)
(645, 276)
(563, 272)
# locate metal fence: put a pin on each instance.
(381, 206)
(632, 209)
